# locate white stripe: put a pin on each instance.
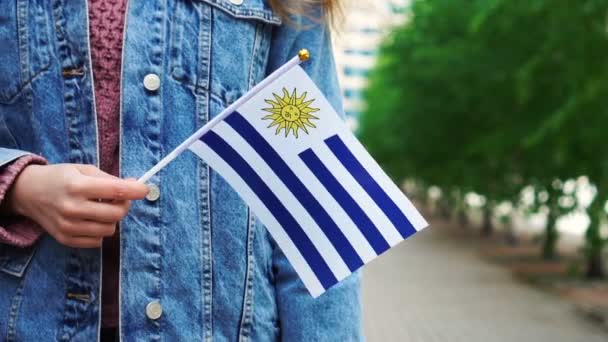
(199, 149)
(289, 249)
(375, 214)
(385, 182)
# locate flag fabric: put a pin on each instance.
(326, 202)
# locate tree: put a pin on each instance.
(494, 95)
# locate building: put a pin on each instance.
(356, 45)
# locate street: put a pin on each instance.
(433, 288)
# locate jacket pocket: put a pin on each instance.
(25, 51)
(216, 40)
(14, 260)
(6, 137)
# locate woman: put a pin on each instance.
(95, 90)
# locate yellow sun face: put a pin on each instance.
(290, 113)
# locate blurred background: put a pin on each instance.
(491, 115)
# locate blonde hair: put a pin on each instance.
(331, 8)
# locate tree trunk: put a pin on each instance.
(595, 266)
(594, 241)
(423, 197)
(510, 236)
(444, 209)
(487, 227)
(551, 236)
(463, 220)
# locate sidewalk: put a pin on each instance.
(431, 288)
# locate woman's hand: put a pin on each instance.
(77, 204)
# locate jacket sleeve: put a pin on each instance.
(15, 230)
(336, 314)
(8, 155)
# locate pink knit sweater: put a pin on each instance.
(18, 231)
(106, 20)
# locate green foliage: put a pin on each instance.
(494, 95)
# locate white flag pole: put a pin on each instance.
(302, 56)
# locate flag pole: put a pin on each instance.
(302, 56)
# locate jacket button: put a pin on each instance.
(152, 82)
(236, 2)
(154, 192)
(154, 310)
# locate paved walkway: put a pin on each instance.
(432, 288)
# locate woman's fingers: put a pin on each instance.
(108, 188)
(79, 241)
(100, 211)
(107, 212)
(89, 229)
(65, 200)
(97, 184)
(91, 170)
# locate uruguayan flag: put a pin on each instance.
(326, 202)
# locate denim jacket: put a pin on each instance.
(196, 252)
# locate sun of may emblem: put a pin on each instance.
(291, 113)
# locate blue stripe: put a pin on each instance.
(350, 206)
(272, 203)
(386, 204)
(293, 183)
